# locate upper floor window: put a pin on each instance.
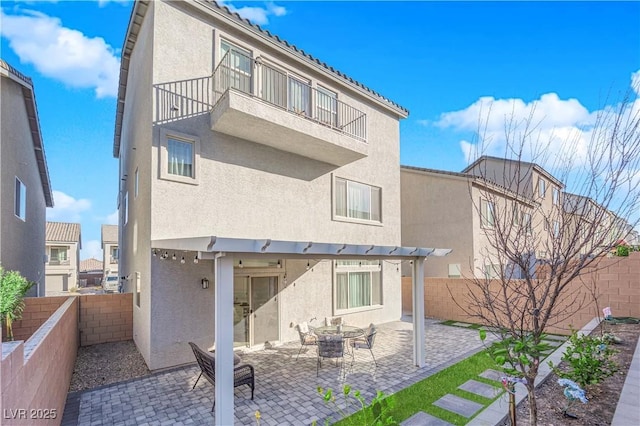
(113, 256)
(20, 202)
(556, 229)
(358, 284)
(555, 194)
(526, 223)
(357, 201)
(327, 104)
(487, 214)
(491, 271)
(237, 65)
(542, 187)
(125, 206)
(58, 256)
(135, 184)
(179, 155)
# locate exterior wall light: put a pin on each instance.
(205, 283)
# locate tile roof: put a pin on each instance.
(90, 265)
(63, 231)
(525, 163)
(109, 234)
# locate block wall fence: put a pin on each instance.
(616, 279)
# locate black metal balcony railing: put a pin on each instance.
(240, 72)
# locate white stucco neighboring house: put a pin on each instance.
(110, 250)
(259, 188)
(63, 244)
(25, 192)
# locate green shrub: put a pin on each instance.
(13, 288)
(622, 250)
(589, 360)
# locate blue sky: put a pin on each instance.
(439, 60)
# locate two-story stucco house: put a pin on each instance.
(110, 251)
(63, 244)
(463, 210)
(25, 192)
(259, 188)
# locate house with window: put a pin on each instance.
(91, 272)
(110, 252)
(63, 244)
(25, 192)
(259, 188)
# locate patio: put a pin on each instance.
(285, 388)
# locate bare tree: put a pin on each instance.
(549, 211)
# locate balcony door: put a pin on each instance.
(256, 316)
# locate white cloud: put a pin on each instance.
(112, 219)
(256, 14)
(91, 248)
(66, 208)
(62, 53)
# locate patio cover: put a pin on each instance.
(224, 250)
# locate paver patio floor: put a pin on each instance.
(285, 387)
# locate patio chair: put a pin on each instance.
(366, 341)
(307, 337)
(243, 374)
(330, 346)
(333, 321)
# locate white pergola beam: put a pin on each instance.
(419, 338)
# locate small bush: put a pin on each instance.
(622, 251)
(589, 360)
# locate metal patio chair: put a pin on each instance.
(366, 341)
(307, 337)
(243, 374)
(330, 346)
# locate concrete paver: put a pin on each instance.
(282, 383)
(458, 405)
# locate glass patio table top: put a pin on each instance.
(347, 331)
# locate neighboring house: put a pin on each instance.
(63, 243)
(458, 211)
(25, 192)
(276, 170)
(91, 273)
(110, 251)
(461, 211)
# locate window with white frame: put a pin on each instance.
(542, 187)
(556, 229)
(555, 194)
(237, 67)
(526, 223)
(491, 271)
(299, 96)
(327, 103)
(20, 202)
(358, 284)
(179, 156)
(356, 200)
(487, 213)
(58, 255)
(454, 270)
(113, 255)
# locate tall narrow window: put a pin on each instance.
(237, 68)
(299, 96)
(327, 104)
(114, 255)
(556, 229)
(357, 201)
(125, 206)
(20, 202)
(542, 187)
(487, 214)
(526, 223)
(358, 284)
(135, 183)
(555, 193)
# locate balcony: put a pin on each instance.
(257, 102)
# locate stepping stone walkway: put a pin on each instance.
(492, 375)
(460, 406)
(480, 388)
(423, 419)
(462, 324)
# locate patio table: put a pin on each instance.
(347, 331)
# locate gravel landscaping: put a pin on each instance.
(107, 363)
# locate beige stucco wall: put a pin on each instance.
(22, 243)
(67, 272)
(245, 190)
(109, 267)
(437, 212)
(135, 153)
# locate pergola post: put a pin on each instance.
(417, 284)
(225, 408)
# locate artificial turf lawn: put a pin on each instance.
(422, 395)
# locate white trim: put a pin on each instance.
(165, 135)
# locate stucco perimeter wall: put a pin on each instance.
(36, 373)
(617, 281)
(106, 318)
(36, 311)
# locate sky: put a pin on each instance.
(446, 62)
